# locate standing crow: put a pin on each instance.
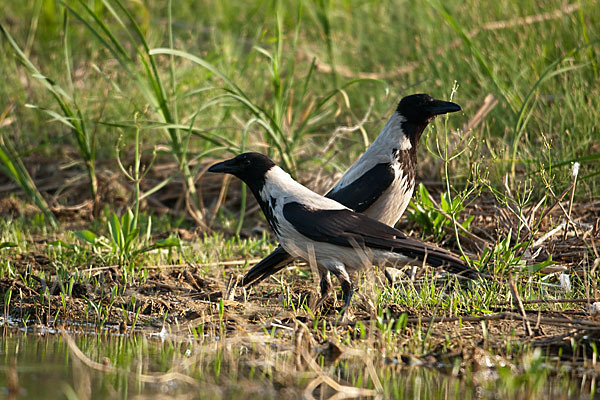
(340, 240)
(381, 183)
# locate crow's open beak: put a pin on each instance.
(227, 167)
(438, 107)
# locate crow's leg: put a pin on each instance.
(348, 291)
(388, 277)
(339, 270)
(326, 288)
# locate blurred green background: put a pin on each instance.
(283, 77)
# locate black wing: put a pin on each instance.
(341, 227)
(347, 228)
(363, 192)
(272, 263)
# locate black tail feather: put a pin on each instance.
(269, 265)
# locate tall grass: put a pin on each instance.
(142, 69)
(292, 111)
(521, 104)
(281, 76)
(12, 166)
(70, 113)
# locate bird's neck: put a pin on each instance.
(276, 184)
(397, 139)
(392, 135)
(414, 131)
(260, 190)
(279, 183)
(279, 187)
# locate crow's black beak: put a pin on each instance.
(438, 107)
(227, 167)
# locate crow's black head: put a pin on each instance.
(422, 108)
(419, 110)
(249, 167)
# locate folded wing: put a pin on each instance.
(360, 194)
(348, 228)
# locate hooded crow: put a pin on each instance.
(340, 240)
(381, 183)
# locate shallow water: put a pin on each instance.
(49, 366)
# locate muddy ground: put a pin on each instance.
(186, 297)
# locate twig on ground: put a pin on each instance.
(220, 199)
(594, 266)
(229, 293)
(549, 301)
(251, 261)
(515, 294)
(548, 235)
(578, 324)
(573, 185)
(557, 203)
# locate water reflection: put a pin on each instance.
(119, 366)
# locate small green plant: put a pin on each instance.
(434, 219)
(7, 299)
(134, 309)
(507, 254)
(221, 311)
(388, 326)
(124, 241)
(124, 234)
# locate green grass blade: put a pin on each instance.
(526, 111)
(508, 97)
(74, 117)
(13, 167)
